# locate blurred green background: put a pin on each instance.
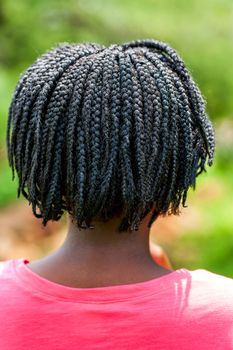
(202, 33)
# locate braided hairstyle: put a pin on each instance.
(100, 131)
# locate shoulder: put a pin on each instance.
(6, 267)
(8, 280)
(212, 293)
(205, 280)
(8, 276)
(211, 280)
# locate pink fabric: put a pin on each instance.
(182, 310)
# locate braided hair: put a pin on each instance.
(98, 131)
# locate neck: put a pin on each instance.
(104, 246)
(102, 256)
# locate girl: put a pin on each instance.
(114, 136)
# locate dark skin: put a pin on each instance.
(101, 257)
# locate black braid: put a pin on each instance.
(92, 124)
(100, 131)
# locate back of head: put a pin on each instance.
(100, 131)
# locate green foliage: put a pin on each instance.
(8, 191)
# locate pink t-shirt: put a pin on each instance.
(182, 310)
